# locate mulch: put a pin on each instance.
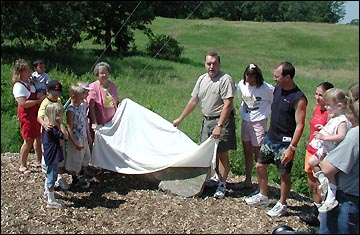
(117, 204)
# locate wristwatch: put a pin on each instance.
(220, 125)
(293, 148)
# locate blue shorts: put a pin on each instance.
(272, 153)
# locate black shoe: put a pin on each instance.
(309, 218)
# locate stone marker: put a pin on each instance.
(183, 181)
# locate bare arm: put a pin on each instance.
(63, 130)
(90, 140)
(92, 115)
(300, 114)
(60, 123)
(44, 123)
(70, 121)
(225, 113)
(23, 102)
(41, 118)
(190, 106)
(338, 137)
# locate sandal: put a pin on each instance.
(24, 171)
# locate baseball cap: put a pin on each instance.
(87, 87)
(54, 87)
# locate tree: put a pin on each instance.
(274, 11)
(60, 24)
(354, 22)
(111, 23)
(41, 24)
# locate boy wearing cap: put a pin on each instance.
(53, 93)
(39, 77)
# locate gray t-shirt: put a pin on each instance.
(211, 92)
(345, 157)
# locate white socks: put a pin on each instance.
(331, 193)
(59, 177)
(51, 197)
(321, 177)
(317, 204)
(46, 189)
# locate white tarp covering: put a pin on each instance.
(139, 141)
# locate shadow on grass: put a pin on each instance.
(82, 61)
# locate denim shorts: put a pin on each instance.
(272, 153)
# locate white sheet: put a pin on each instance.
(139, 141)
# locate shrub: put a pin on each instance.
(163, 47)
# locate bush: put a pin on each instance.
(163, 47)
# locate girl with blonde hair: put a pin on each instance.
(53, 152)
(327, 139)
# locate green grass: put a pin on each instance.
(320, 52)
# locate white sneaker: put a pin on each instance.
(213, 181)
(324, 187)
(220, 191)
(215, 177)
(57, 195)
(257, 200)
(328, 206)
(55, 204)
(62, 183)
(278, 210)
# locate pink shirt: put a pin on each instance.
(98, 94)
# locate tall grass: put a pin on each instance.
(320, 52)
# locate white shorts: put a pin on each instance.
(253, 132)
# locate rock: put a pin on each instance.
(183, 181)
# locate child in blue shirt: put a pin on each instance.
(39, 77)
(53, 153)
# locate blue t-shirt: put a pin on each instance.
(51, 143)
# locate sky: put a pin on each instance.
(352, 11)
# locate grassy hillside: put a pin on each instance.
(320, 52)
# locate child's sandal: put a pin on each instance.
(24, 171)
